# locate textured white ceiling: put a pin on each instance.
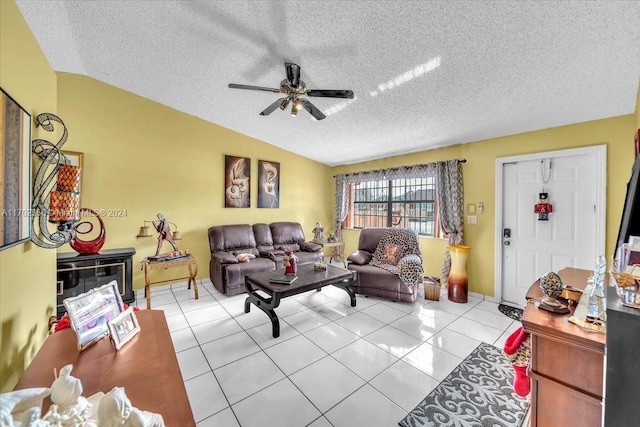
(425, 74)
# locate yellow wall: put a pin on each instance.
(143, 158)
(27, 272)
(479, 184)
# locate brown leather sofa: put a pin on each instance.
(266, 242)
(375, 281)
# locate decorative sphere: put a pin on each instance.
(551, 285)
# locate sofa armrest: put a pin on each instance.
(272, 254)
(310, 247)
(360, 257)
(224, 258)
(410, 267)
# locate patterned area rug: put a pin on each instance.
(478, 392)
(512, 312)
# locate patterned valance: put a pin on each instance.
(402, 172)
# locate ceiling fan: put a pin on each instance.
(294, 88)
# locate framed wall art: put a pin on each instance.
(90, 312)
(15, 172)
(123, 327)
(237, 172)
(268, 184)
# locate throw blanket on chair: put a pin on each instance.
(398, 252)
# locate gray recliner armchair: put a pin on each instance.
(389, 264)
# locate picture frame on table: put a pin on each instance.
(90, 312)
(75, 158)
(123, 328)
(15, 172)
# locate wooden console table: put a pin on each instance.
(566, 363)
(146, 367)
(191, 262)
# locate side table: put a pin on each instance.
(337, 250)
(150, 264)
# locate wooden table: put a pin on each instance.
(150, 264)
(308, 280)
(337, 249)
(566, 363)
(146, 367)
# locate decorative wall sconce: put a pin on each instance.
(144, 230)
(59, 203)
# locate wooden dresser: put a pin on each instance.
(567, 363)
(146, 367)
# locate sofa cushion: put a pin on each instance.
(228, 238)
(286, 233)
(391, 254)
(370, 238)
(264, 240)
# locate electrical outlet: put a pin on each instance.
(472, 219)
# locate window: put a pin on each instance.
(409, 203)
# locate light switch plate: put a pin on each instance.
(471, 208)
(472, 219)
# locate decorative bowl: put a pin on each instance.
(551, 286)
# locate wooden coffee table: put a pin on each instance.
(308, 280)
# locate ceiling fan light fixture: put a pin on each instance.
(294, 110)
(284, 104)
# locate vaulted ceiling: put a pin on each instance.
(426, 74)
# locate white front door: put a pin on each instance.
(573, 234)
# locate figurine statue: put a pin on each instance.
(21, 408)
(164, 233)
(115, 410)
(69, 407)
(318, 233)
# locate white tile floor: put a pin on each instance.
(333, 365)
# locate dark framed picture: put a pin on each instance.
(237, 176)
(123, 327)
(89, 313)
(268, 184)
(15, 172)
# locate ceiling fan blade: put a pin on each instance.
(312, 109)
(331, 93)
(271, 108)
(267, 89)
(293, 73)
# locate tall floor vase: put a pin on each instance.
(458, 284)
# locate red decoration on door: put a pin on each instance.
(543, 208)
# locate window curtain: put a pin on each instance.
(450, 207)
(343, 181)
(341, 208)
